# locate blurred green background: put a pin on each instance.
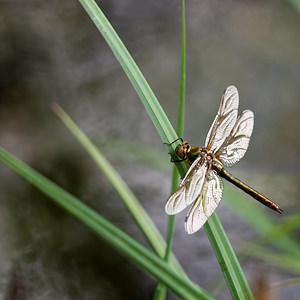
(52, 52)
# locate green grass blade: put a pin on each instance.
(234, 276)
(160, 292)
(135, 76)
(181, 102)
(116, 238)
(180, 123)
(231, 269)
(138, 213)
(138, 81)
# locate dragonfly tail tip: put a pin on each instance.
(280, 210)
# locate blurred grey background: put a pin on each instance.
(50, 51)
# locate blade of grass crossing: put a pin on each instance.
(180, 124)
(164, 128)
(138, 213)
(135, 76)
(116, 238)
(231, 269)
(160, 293)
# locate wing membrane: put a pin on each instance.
(224, 120)
(189, 188)
(236, 144)
(206, 203)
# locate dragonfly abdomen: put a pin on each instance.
(247, 189)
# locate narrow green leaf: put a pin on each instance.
(233, 273)
(116, 238)
(160, 292)
(138, 213)
(132, 71)
(136, 78)
(180, 122)
(181, 102)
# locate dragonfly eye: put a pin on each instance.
(183, 150)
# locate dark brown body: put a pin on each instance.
(247, 189)
(186, 152)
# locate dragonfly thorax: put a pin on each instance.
(207, 156)
(185, 151)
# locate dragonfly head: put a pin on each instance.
(183, 150)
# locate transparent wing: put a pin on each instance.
(236, 144)
(206, 203)
(224, 120)
(189, 188)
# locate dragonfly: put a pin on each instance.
(226, 143)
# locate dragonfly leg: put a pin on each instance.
(169, 144)
(176, 160)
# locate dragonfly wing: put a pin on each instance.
(236, 144)
(224, 120)
(189, 188)
(206, 203)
